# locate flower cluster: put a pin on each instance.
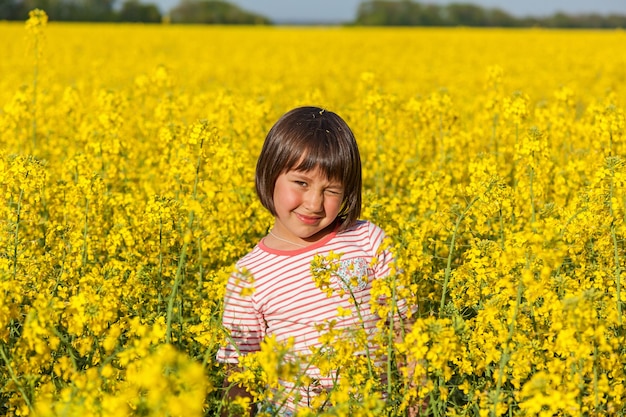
(127, 158)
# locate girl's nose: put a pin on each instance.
(314, 201)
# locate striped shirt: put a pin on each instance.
(286, 301)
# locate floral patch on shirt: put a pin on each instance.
(352, 274)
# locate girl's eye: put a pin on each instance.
(334, 192)
(301, 183)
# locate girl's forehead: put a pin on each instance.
(312, 172)
(315, 173)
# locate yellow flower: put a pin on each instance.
(37, 19)
(127, 194)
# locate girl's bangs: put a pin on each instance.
(321, 156)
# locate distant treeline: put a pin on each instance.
(81, 10)
(369, 13)
(187, 11)
(410, 13)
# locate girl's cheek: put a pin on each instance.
(290, 199)
(334, 204)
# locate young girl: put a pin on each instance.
(309, 177)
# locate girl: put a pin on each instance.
(309, 177)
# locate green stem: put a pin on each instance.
(299, 379)
(17, 383)
(85, 230)
(514, 171)
(448, 270)
(442, 157)
(506, 351)
(390, 341)
(200, 262)
(17, 231)
(177, 281)
(160, 259)
(183, 256)
(618, 273)
(358, 312)
(596, 394)
(513, 166)
(531, 177)
(618, 269)
(73, 353)
(570, 220)
(582, 386)
(502, 238)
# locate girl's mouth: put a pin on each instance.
(310, 220)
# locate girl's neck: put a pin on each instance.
(287, 241)
(278, 241)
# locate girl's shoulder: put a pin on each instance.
(249, 257)
(364, 231)
(367, 226)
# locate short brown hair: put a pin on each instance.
(306, 138)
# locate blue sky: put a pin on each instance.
(345, 10)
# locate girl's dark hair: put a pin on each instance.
(306, 138)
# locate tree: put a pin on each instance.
(9, 10)
(410, 13)
(134, 11)
(387, 12)
(431, 15)
(500, 18)
(465, 14)
(73, 10)
(215, 12)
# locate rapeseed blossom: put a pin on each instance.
(127, 193)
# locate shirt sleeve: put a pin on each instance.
(380, 251)
(384, 267)
(240, 319)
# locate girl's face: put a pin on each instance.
(306, 205)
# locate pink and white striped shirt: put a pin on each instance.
(287, 303)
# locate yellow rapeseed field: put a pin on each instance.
(494, 158)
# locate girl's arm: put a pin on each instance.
(231, 393)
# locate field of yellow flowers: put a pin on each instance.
(494, 158)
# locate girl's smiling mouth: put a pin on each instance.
(311, 220)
